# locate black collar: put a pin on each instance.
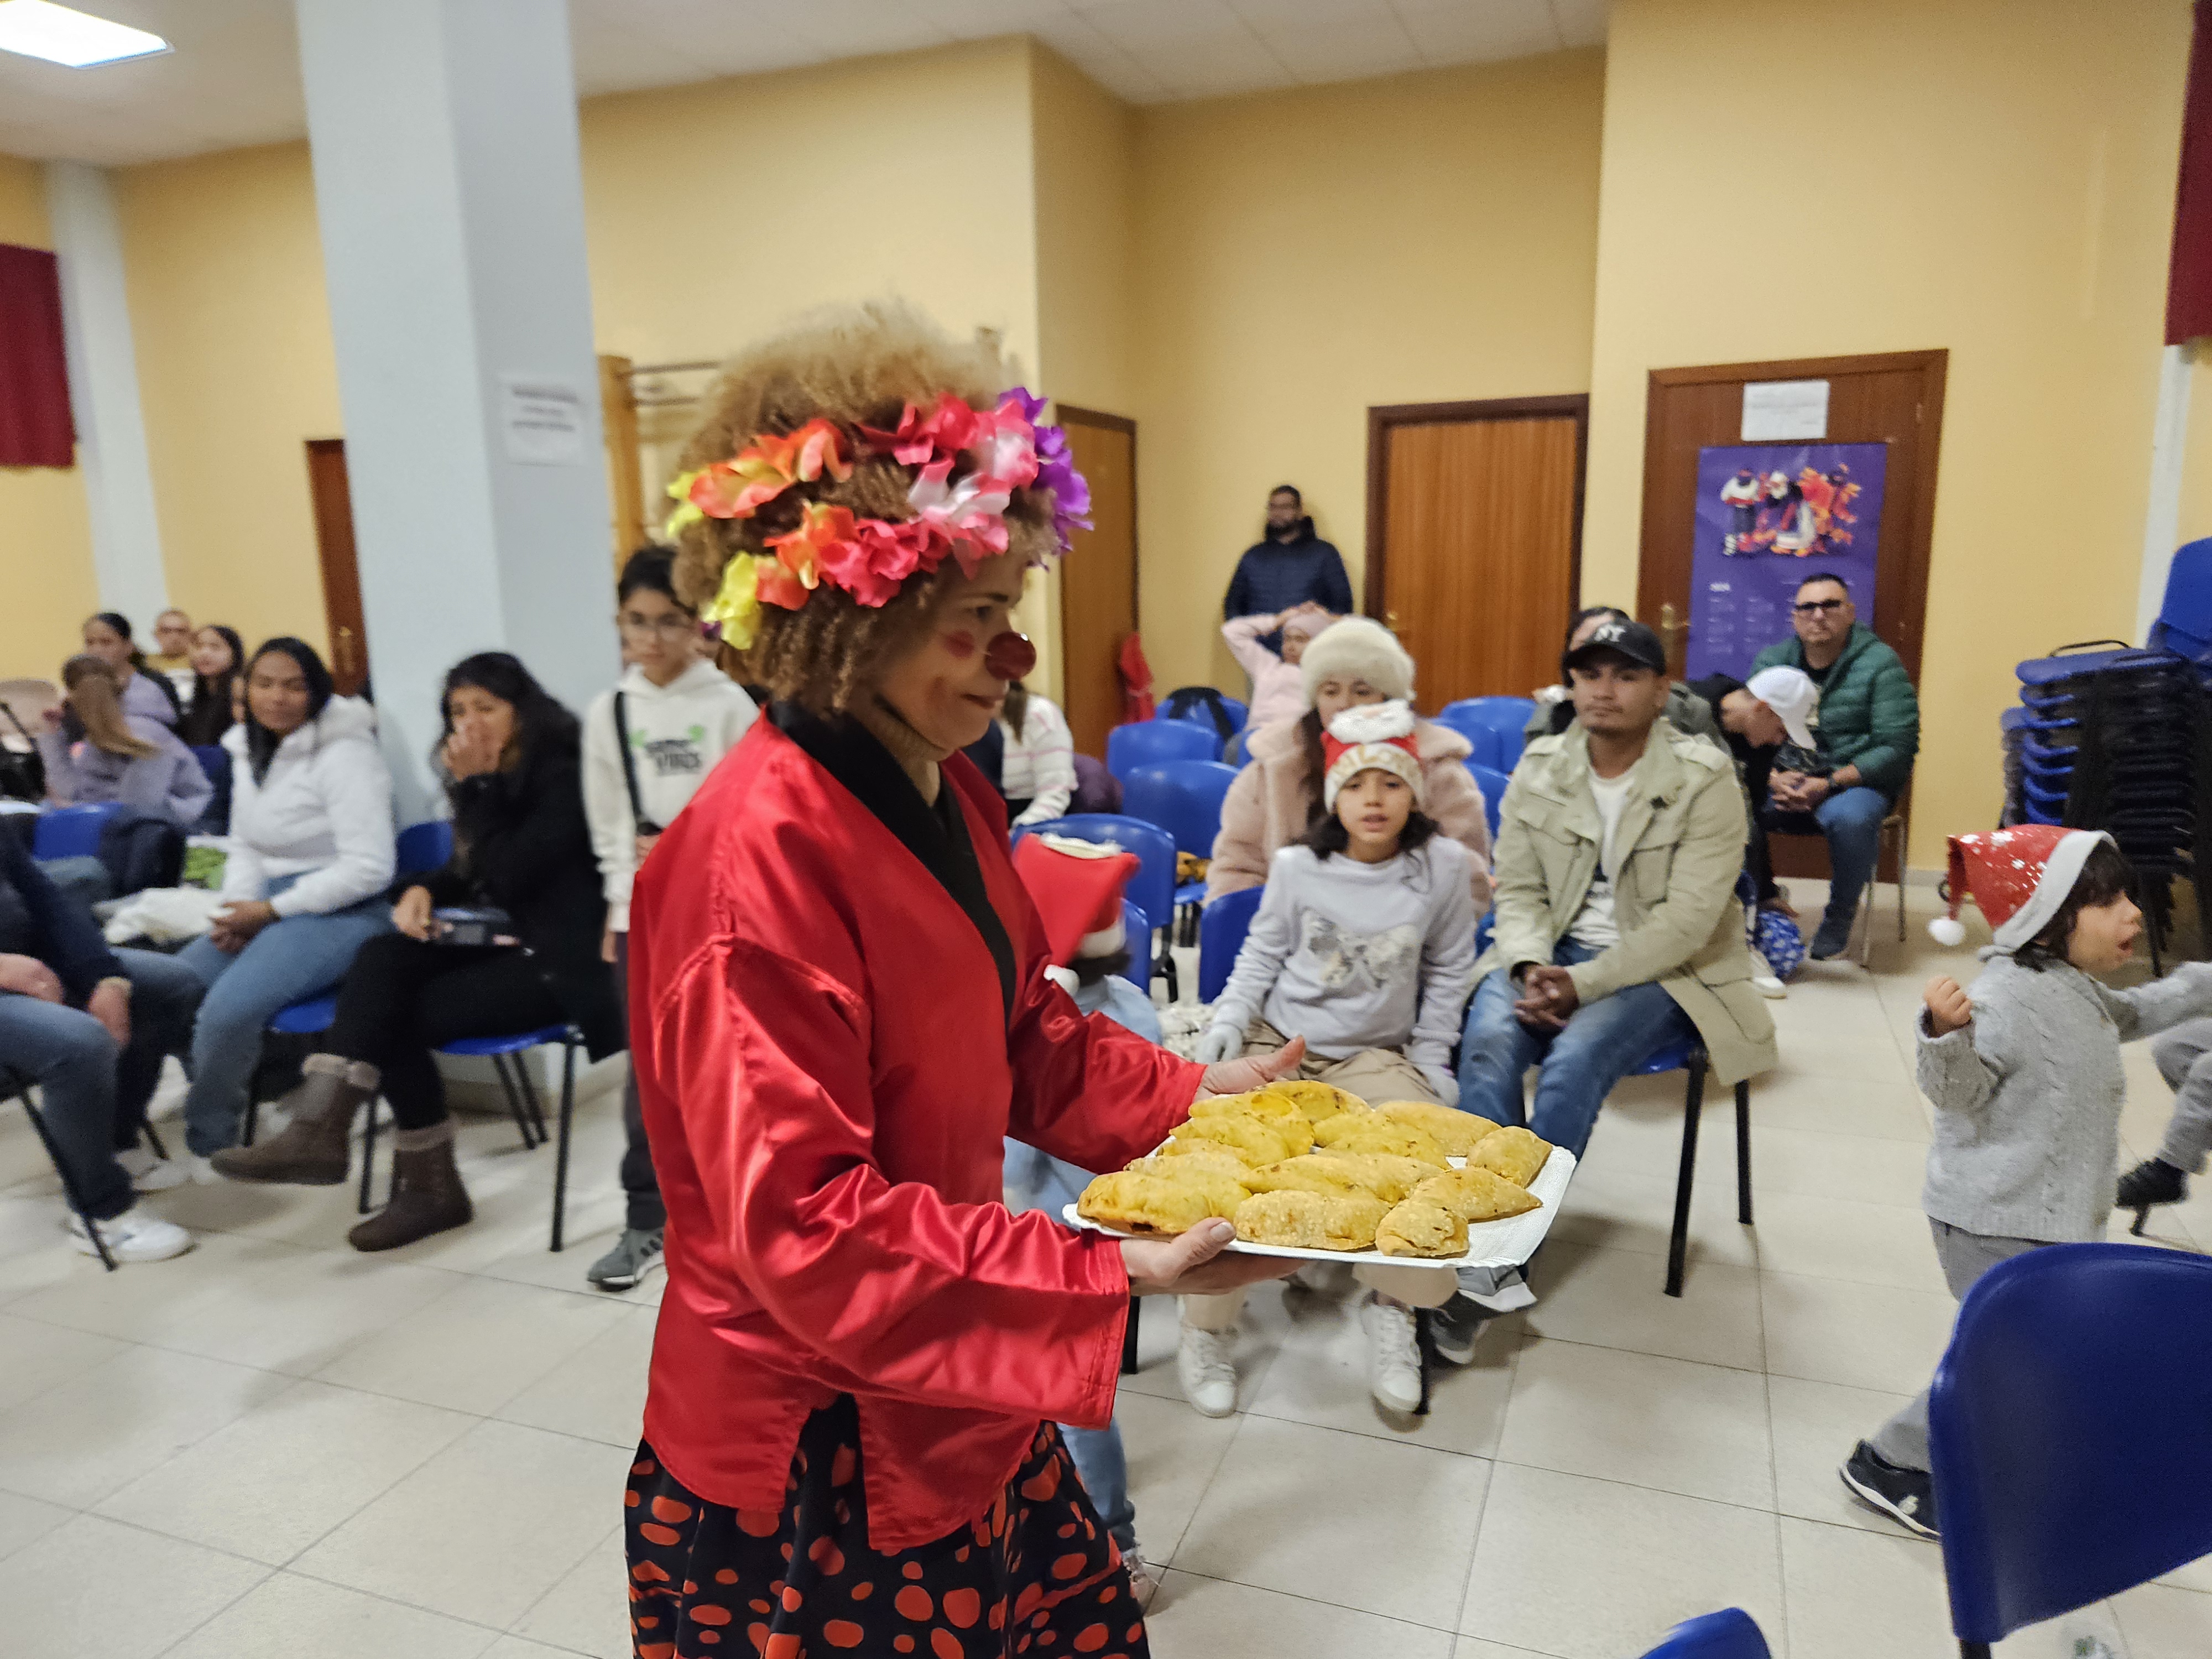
(937, 835)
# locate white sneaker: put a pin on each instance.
(1767, 986)
(1394, 1356)
(1144, 1576)
(203, 1173)
(150, 1174)
(131, 1237)
(1203, 1367)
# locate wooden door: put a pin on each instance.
(1894, 398)
(1099, 578)
(333, 507)
(1475, 538)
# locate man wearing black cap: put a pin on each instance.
(1618, 933)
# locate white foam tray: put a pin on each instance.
(1505, 1243)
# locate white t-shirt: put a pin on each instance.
(1594, 926)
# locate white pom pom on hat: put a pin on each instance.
(1947, 931)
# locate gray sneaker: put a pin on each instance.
(1457, 1327)
(635, 1254)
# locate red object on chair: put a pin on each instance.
(35, 426)
(1136, 680)
(2189, 270)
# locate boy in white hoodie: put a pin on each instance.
(648, 744)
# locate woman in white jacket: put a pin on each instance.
(311, 857)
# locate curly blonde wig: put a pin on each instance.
(855, 368)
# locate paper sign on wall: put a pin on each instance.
(1784, 411)
(544, 419)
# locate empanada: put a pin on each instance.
(1417, 1229)
(1318, 1101)
(1370, 1132)
(1132, 1202)
(1310, 1221)
(1253, 1139)
(1260, 1104)
(1390, 1177)
(1315, 1172)
(1476, 1194)
(1208, 1155)
(1514, 1153)
(1456, 1131)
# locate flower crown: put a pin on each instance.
(1001, 449)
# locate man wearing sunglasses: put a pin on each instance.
(1870, 731)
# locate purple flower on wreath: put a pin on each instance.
(1071, 496)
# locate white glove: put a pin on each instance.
(1220, 1042)
(1445, 1085)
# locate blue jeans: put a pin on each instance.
(291, 958)
(86, 1086)
(1604, 1041)
(1035, 1181)
(1851, 820)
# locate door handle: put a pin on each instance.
(1390, 620)
(345, 650)
(1672, 626)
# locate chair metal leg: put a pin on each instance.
(1129, 1338)
(1900, 883)
(1973, 1651)
(530, 1097)
(75, 1199)
(252, 1118)
(153, 1142)
(560, 1150)
(515, 1106)
(1168, 967)
(1693, 1100)
(368, 1157)
(1743, 1152)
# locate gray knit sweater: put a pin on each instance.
(2027, 1097)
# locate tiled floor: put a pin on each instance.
(274, 1446)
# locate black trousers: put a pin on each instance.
(646, 1213)
(403, 998)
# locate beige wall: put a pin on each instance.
(46, 537)
(1994, 176)
(1303, 255)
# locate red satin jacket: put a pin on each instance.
(827, 1063)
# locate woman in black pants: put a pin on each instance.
(509, 755)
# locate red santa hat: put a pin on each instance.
(1076, 886)
(2019, 879)
(1377, 736)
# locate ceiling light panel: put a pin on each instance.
(74, 39)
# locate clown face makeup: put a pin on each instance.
(949, 685)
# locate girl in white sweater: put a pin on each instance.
(1363, 944)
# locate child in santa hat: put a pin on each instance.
(1076, 886)
(2025, 1076)
(1363, 944)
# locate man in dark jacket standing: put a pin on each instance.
(1870, 731)
(88, 1026)
(1292, 566)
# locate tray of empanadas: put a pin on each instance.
(1308, 1171)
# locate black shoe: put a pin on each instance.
(1830, 939)
(1906, 1496)
(2151, 1182)
(1457, 1327)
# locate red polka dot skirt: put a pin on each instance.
(1038, 1576)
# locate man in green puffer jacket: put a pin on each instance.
(1870, 731)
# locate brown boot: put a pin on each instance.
(312, 1149)
(427, 1195)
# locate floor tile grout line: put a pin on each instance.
(1521, 1340)
(620, 1526)
(1341, 1607)
(1199, 1503)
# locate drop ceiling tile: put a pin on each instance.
(1341, 51)
(861, 28)
(1099, 58)
(1582, 22)
(1479, 31)
(1215, 67)
(1266, 15)
(1146, 28)
(979, 20)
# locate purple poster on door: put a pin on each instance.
(1769, 515)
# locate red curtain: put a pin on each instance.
(2189, 275)
(35, 428)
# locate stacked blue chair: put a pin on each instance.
(1151, 890)
(2184, 619)
(1153, 743)
(2066, 1429)
(1184, 799)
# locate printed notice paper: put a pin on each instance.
(1784, 411)
(544, 419)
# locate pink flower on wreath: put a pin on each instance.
(1004, 444)
(920, 439)
(877, 558)
(972, 510)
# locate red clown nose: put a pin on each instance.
(1009, 656)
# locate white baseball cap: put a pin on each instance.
(1790, 693)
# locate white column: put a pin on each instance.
(450, 193)
(2169, 445)
(103, 382)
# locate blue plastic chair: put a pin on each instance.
(1690, 1056)
(1151, 743)
(1731, 1633)
(1221, 929)
(1478, 733)
(1239, 711)
(1151, 890)
(1503, 718)
(1138, 972)
(2185, 617)
(1491, 782)
(1184, 799)
(72, 832)
(2066, 1427)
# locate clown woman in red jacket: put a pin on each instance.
(838, 1008)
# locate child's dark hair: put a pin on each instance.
(1089, 970)
(653, 568)
(1327, 834)
(2106, 875)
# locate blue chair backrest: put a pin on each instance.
(424, 848)
(1731, 1633)
(1183, 798)
(1221, 929)
(1151, 890)
(72, 832)
(1504, 717)
(215, 762)
(2188, 604)
(1478, 731)
(2067, 1424)
(1149, 743)
(1176, 707)
(1138, 973)
(1491, 782)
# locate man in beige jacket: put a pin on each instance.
(1618, 931)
